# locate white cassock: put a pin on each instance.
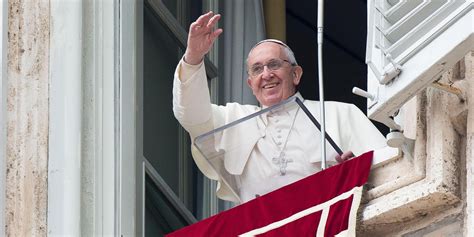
(274, 149)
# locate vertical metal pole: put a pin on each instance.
(321, 82)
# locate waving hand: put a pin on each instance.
(201, 37)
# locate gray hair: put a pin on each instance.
(289, 53)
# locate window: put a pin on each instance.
(409, 45)
(173, 186)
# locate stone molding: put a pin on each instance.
(414, 195)
(27, 118)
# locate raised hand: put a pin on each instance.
(201, 37)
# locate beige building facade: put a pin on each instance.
(429, 192)
(69, 137)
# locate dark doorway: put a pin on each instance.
(345, 29)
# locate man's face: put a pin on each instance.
(272, 86)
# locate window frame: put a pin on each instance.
(144, 168)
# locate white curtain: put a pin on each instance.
(243, 27)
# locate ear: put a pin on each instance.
(297, 73)
(249, 83)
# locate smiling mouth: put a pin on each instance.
(270, 85)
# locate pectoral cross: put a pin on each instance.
(282, 162)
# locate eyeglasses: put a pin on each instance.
(272, 65)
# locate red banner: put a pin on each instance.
(323, 204)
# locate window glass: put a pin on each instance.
(160, 216)
(160, 129)
(172, 6)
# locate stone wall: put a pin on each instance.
(430, 191)
(27, 118)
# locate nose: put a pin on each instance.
(267, 73)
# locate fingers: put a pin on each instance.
(215, 34)
(205, 22)
(195, 27)
(213, 21)
(345, 156)
(204, 27)
(203, 19)
(201, 37)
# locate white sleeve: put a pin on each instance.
(191, 99)
(193, 109)
(364, 136)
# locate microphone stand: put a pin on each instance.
(321, 82)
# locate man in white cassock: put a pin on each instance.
(276, 149)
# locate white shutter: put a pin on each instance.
(409, 44)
